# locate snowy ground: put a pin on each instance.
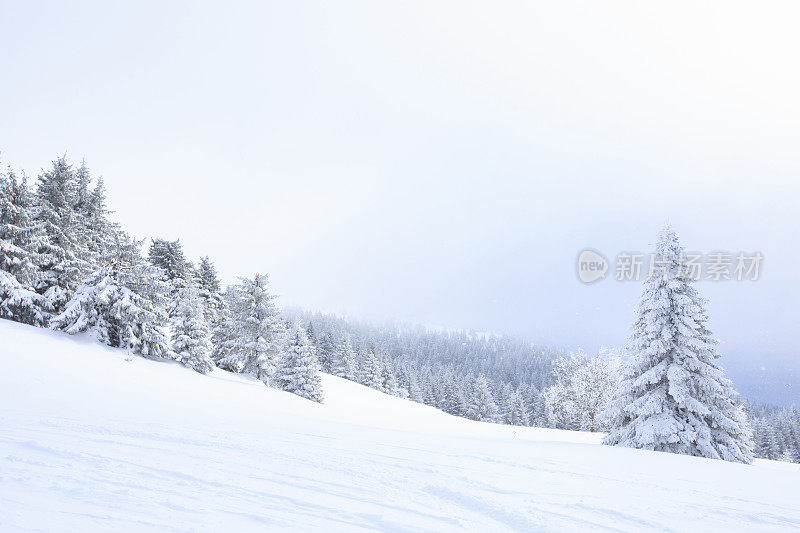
(90, 440)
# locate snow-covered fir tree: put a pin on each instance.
(344, 362)
(326, 351)
(62, 247)
(17, 229)
(18, 261)
(254, 330)
(673, 396)
(169, 257)
(191, 336)
(101, 232)
(312, 336)
(480, 403)
(116, 314)
(453, 398)
(369, 368)
(388, 379)
(298, 368)
(537, 408)
(19, 303)
(210, 293)
(407, 380)
(517, 411)
(83, 182)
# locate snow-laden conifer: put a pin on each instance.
(62, 248)
(298, 368)
(101, 232)
(369, 368)
(18, 231)
(169, 257)
(517, 410)
(453, 398)
(116, 315)
(480, 403)
(673, 396)
(326, 351)
(19, 303)
(388, 379)
(344, 363)
(18, 260)
(254, 331)
(214, 307)
(191, 337)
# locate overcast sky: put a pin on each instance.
(441, 163)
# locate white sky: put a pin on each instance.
(436, 162)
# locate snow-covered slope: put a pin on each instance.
(92, 440)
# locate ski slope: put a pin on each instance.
(91, 439)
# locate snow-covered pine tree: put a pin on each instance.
(408, 379)
(116, 314)
(326, 350)
(18, 262)
(169, 257)
(503, 397)
(369, 368)
(215, 307)
(388, 379)
(83, 180)
(101, 231)
(210, 294)
(312, 336)
(673, 396)
(298, 368)
(430, 395)
(344, 362)
(254, 333)
(537, 408)
(17, 229)
(518, 411)
(207, 278)
(453, 398)
(480, 402)
(62, 249)
(223, 333)
(19, 303)
(191, 336)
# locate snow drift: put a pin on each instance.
(93, 439)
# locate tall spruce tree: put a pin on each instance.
(169, 257)
(388, 378)
(18, 231)
(18, 260)
(673, 396)
(369, 368)
(326, 349)
(62, 249)
(298, 368)
(191, 336)
(344, 363)
(116, 314)
(101, 231)
(480, 402)
(517, 410)
(254, 330)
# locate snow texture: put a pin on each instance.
(92, 439)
